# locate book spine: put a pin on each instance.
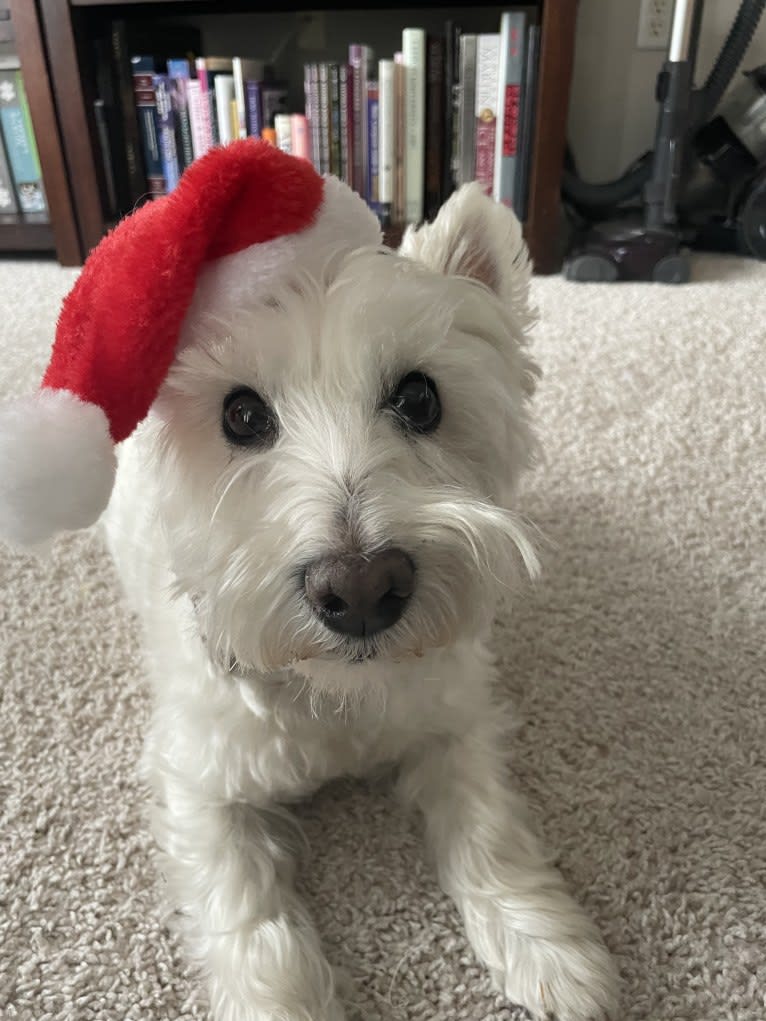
(8, 203)
(487, 69)
(466, 147)
(146, 108)
(224, 95)
(123, 79)
(239, 97)
(20, 144)
(254, 109)
(178, 72)
(333, 90)
(206, 109)
(386, 122)
(283, 128)
(414, 54)
(166, 131)
(346, 114)
(102, 132)
(400, 133)
(435, 138)
(513, 25)
(529, 108)
(311, 86)
(194, 99)
(452, 33)
(299, 134)
(324, 120)
(233, 118)
(373, 160)
(357, 59)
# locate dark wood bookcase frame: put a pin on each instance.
(64, 24)
(36, 233)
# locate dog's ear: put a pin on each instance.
(473, 236)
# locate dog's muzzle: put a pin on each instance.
(360, 595)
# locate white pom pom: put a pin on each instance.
(57, 466)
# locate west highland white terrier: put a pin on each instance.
(316, 525)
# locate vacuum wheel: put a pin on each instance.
(673, 269)
(597, 269)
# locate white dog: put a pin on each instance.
(316, 530)
(315, 525)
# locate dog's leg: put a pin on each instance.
(229, 867)
(541, 948)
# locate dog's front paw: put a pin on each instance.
(573, 979)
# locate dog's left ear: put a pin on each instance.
(473, 236)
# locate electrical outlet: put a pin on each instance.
(654, 23)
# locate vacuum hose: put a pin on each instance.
(595, 197)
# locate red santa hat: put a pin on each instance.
(242, 217)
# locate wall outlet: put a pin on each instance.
(654, 23)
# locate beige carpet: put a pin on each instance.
(638, 661)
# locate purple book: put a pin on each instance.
(166, 131)
(373, 150)
(358, 58)
(254, 109)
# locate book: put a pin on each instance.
(128, 145)
(346, 121)
(223, 85)
(452, 32)
(528, 111)
(435, 135)
(283, 128)
(324, 118)
(386, 131)
(109, 183)
(245, 71)
(311, 91)
(254, 108)
(194, 99)
(414, 58)
(513, 32)
(166, 132)
(146, 108)
(358, 60)
(333, 90)
(20, 145)
(299, 136)
(466, 118)
(234, 119)
(205, 127)
(214, 68)
(400, 132)
(8, 203)
(179, 76)
(371, 193)
(487, 70)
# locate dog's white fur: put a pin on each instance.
(256, 702)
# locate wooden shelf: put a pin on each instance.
(26, 233)
(69, 27)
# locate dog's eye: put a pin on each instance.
(416, 402)
(248, 421)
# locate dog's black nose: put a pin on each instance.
(360, 595)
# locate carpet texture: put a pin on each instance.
(636, 661)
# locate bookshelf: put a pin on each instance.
(33, 232)
(69, 27)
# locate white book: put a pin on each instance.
(239, 96)
(224, 94)
(386, 121)
(194, 98)
(487, 71)
(513, 26)
(284, 129)
(414, 60)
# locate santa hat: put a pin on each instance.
(242, 217)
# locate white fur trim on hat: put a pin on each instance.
(57, 466)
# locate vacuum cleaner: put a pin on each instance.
(703, 185)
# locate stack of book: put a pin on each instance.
(403, 132)
(21, 180)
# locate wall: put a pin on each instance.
(613, 112)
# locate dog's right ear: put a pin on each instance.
(473, 236)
